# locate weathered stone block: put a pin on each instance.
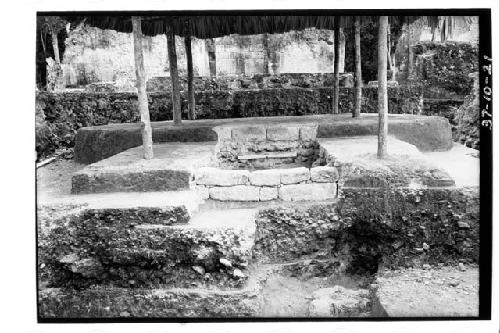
(324, 174)
(308, 133)
(268, 193)
(282, 133)
(314, 191)
(202, 191)
(223, 133)
(219, 177)
(295, 175)
(265, 177)
(235, 193)
(249, 133)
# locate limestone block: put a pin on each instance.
(282, 133)
(339, 302)
(295, 175)
(324, 174)
(308, 133)
(268, 193)
(202, 191)
(249, 133)
(312, 191)
(235, 193)
(223, 133)
(265, 177)
(220, 177)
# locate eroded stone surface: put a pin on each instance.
(265, 177)
(235, 193)
(268, 193)
(248, 133)
(219, 177)
(282, 133)
(295, 175)
(308, 132)
(339, 302)
(312, 191)
(324, 174)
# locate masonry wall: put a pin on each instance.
(95, 55)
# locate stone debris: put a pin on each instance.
(339, 302)
(225, 262)
(237, 273)
(198, 269)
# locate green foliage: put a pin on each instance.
(447, 65)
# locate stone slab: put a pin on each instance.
(220, 177)
(235, 193)
(324, 174)
(311, 192)
(268, 193)
(248, 133)
(282, 133)
(295, 175)
(170, 169)
(271, 177)
(308, 132)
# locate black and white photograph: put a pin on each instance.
(260, 164)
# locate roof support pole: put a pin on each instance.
(142, 98)
(358, 81)
(382, 87)
(189, 57)
(174, 75)
(336, 65)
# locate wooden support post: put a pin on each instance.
(382, 87)
(174, 75)
(189, 56)
(335, 99)
(142, 98)
(358, 81)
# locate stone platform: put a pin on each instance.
(427, 133)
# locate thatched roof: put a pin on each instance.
(212, 26)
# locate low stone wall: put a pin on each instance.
(260, 81)
(297, 184)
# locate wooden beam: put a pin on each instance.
(382, 88)
(336, 65)
(142, 98)
(358, 81)
(174, 75)
(189, 57)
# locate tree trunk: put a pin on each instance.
(174, 75)
(55, 46)
(390, 58)
(358, 81)
(411, 63)
(335, 100)
(267, 54)
(382, 87)
(189, 56)
(142, 98)
(212, 61)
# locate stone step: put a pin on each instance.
(170, 170)
(214, 248)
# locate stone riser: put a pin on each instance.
(143, 181)
(296, 184)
